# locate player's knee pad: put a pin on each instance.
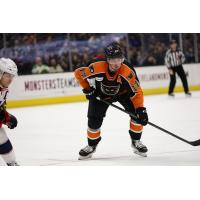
(94, 123)
(6, 147)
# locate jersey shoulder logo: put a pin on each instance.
(130, 76)
(135, 86)
(83, 74)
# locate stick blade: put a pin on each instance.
(195, 143)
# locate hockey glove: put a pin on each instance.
(142, 116)
(11, 121)
(90, 93)
(8, 119)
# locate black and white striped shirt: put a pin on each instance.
(174, 58)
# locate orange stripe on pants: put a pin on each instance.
(93, 135)
(137, 128)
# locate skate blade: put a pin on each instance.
(85, 157)
(140, 153)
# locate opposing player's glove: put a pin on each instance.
(11, 121)
(90, 93)
(8, 119)
(142, 116)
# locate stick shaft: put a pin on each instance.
(194, 143)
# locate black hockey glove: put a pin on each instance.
(11, 122)
(90, 93)
(142, 116)
(8, 119)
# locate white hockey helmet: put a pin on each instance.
(7, 65)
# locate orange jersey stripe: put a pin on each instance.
(136, 127)
(93, 135)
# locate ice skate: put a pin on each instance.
(86, 152)
(12, 164)
(139, 148)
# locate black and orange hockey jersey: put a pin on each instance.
(123, 83)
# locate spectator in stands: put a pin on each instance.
(75, 49)
(133, 54)
(63, 60)
(55, 67)
(150, 61)
(39, 67)
(189, 55)
(159, 55)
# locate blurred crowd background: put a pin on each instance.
(37, 53)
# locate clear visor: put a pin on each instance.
(113, 61)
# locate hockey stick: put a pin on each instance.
(193, 143)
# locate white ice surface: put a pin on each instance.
(53, 135)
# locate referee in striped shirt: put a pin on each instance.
(174, 59)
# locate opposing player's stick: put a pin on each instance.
(193, 143)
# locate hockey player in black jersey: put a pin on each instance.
(114, 80)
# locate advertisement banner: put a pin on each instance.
(44, 85)
(64, 84)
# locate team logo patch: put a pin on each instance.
(110, 90)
